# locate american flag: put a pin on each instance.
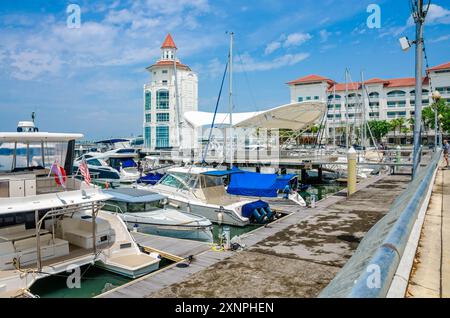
(84, 170)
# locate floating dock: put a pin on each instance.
(296, 256)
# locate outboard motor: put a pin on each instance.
(258, 212)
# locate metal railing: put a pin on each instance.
(371, 269)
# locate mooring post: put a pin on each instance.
(351, 171)
(304, 176)
(397, 158)
(320, 173)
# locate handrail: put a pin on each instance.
(371, 269)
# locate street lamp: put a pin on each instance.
(436, 97)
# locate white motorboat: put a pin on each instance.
(49, 225)
(201, 191)
(149, 212)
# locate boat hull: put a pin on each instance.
(202, 234)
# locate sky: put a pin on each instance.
(90, 79)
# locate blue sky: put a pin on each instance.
(90, 79)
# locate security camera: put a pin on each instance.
(404, 43)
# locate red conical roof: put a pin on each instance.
(168, 43)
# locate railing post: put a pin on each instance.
(351, 171)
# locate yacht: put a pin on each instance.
(148, 212)
(201, 190)
(114, 165)
(51, 224)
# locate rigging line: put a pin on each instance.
(215, 113)
(252, 96)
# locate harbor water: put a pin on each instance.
(96, 281)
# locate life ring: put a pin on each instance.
(64, 176)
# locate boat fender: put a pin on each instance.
(155, 255)
(269, 212)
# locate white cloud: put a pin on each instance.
(293, 39)
(272, 47)
(296, 39)
(324, 35)
(440, 39)
(249, 64)
(28, 64)
(436, 15)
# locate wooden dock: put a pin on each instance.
(204, 260)
(174, 249)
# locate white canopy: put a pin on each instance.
(26, 137)
(293, 116)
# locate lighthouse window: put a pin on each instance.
(164, 71)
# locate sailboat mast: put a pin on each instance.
(363, 124)
(346, 109)
(230, 98)
(334, 116)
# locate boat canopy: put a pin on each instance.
(222, 173)
(30, 137)
(258, 184)
(131, 195)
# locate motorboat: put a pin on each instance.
(50, 224)
(201, 190)
(116, 165)
(149, 213)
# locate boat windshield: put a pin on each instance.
(177, 180)
(33, 155)
(210, 181)
(119, 206)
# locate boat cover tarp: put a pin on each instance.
(258, 184)
(111, 141)
(247, 210)
(283, 180)
(128, 163)
(151, 178)
(253, 184)
(223, 173)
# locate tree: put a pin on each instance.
(379, 128)
(443, 113)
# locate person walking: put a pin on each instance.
(446, 148)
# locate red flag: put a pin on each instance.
(84, 170)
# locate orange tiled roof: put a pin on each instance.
(309, 79)
(168, 43)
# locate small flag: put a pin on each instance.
(84, 170)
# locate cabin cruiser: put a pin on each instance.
(114, 165)
(149, 212)
(201, 191)
(50, 224)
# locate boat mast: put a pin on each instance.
(346, 109)
(363, 124)
(334, 116)
(230, 98)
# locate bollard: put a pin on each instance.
(313, 201)
(351, 171)
(397, 158)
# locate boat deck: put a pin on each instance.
(171, 248)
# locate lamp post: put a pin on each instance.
(436, 97)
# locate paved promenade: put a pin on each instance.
(430, 276)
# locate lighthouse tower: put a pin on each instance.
(172, 91)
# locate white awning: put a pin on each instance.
(293, 116)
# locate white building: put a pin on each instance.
(385, 99)
(161, 117)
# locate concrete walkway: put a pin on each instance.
(430, 276)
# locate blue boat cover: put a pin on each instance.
(222, 173)
(258, 184)
(128, 163)
(247, 210)
(151, 178)
(111, 141)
